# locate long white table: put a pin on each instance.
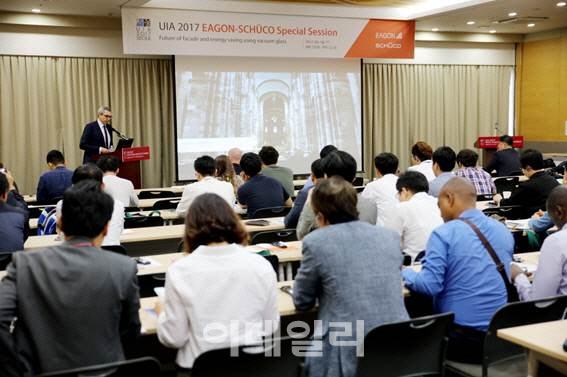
(150, 233)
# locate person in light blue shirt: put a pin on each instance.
(458, 272)
(540, 222)
(443, 159)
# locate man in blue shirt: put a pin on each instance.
(53, 183)
(259, 191)
(13, 225)
(458, 271)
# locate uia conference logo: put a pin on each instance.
(143, 29)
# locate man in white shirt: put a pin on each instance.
(119, 188)
(421, 160)
(551, 276)
(116, 224)
(417, 214)
(383, 189)
(443, 164)
(206, 182)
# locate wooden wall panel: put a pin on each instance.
(541, 84)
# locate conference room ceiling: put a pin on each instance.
(487, 15)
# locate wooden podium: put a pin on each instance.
(130, 163)
(488, 145)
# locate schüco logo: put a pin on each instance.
(399, 35)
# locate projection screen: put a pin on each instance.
(295, 105)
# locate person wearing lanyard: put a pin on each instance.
(55, 301)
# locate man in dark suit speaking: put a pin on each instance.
(97, 135)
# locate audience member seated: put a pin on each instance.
(443, 164)
(540, 221)
(324, 152)
(421, 160)
(292, 217)
(533, 193)
(53, 183)
(90, 171)
(68, 296)
(15, 199)
(119, 188)
(217, 283)
(205, 167)
(269, 156)
(551, 276)
(416, 215)
(234, 154)
(382, 190)
(480, 179)
(458, 271)
(259, 191)
(352, 269)
(224, 171)
(506, 160)
(13, 225)
(344, 165)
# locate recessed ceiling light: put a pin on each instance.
(470, 22)
(36, 10)
(531, 25)
(561, 4)
(435, 29)
(492, 31)
(512, 14)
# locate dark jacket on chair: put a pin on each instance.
(531, 194)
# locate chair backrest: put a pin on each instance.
(143, 366)
(142, 221)
(506, 184)
(132, 209)
(270, 236)
(270, 212)
(116, 248)
(154, 194)
(483, 198)
(358, 181)
(274, 261)
(518, 314)
(410, 348)
(275, 359)
(166, 204)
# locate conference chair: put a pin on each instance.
(270, 212)
(143, 366)
(116, 248)
(142, 221)
(484, 198)
(272, 358)
(506, 184)
(156, 194)
(502, 358)
(132, 209)
(165, 204)
(271, 236)
(358, 181)
(410, 348)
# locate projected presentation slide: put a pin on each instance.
(295, 105)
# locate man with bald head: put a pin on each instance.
(234, 155)
(551, 276)
(458, 272)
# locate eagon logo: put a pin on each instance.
(400, 35)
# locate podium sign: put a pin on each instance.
(488, 142)
(135, 154)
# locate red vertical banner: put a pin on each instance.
(385, 39)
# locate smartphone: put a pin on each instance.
(279, 244)
(142, 261)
